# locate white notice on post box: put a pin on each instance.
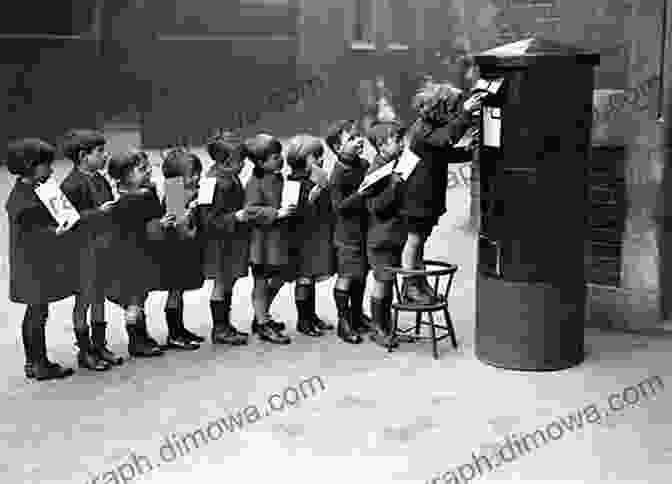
(58, 204)
(492, 126)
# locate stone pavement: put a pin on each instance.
(380, 418)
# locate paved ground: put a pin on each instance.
(380, 418)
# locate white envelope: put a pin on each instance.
(58, 204)
(291, 190)
(382, 172)
(206, 191)
(407, 163)
(176, 198)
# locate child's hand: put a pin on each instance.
(167, 221)
(285, 212)
(241, 216)
(105, 207)
(395, 178)
(353, 147)
(314, 193)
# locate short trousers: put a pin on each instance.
(421, 225)
(381, 258)
(270, 271)
(352, 262)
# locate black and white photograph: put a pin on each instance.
(320, 241)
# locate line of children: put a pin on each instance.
(127, 248)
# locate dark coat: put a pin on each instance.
(269, 243)
(351, 217)
(132, 260)
(310, 231)
(87, 193)
(43, 267)
(227, 240)
(387, 229)
(424, 195)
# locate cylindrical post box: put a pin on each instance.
(534, 148)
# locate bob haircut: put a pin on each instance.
(380, 132)
(121, 164)
(25, 154)
(300, 147)
(178, 161)
(77, 140)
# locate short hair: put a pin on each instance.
(300, 147)
(121, 164)
(178, 161)
(334, 131)
(25, 154)
(381, 131)
(260, 147)
(77, 140)
(222, 146)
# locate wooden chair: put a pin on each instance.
(442, 274)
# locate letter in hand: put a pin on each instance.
(287, 211)
(105, 207)
(314, 193)
(167, 221)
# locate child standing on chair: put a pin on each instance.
(91, 194)
(387, 230)
(39, 254)
(441, 123)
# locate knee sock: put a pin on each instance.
(302, 300)
(357, 300)
(342, 299)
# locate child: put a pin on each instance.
(181, 264)
(349, 230)
(133, 255)
(38, 254)
(228, 236)
(91, 194)
(311, 231)
(268, 245)
(387, 231)
(441, 123)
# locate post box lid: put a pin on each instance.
(532, 50)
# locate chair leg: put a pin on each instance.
(433, 327)
(451, 329)
(418, 319)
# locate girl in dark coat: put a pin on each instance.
(132, 259)
(311, 248)
(91, 194)
(349, 230)
(441, 123)
(181, 264)
(40, 254)
(387, 230)
(269, 254)
(227, 234)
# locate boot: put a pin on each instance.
(358, 322)
(137, 344)
(98, 330)
(175, 339)
(183, 331)
(382, 336)
(227, 317)
(346, 332)
(223, 331)
(43, 369)
(266, 332)
(305, 323)
(413, 292)
(142, 327)
(317, 322)
(87, 357)
(276, 325)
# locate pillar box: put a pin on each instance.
(534, 151)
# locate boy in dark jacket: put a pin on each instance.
(349, 230)
(91, 194)
(441, 123)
